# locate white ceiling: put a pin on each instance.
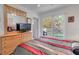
(43, 7)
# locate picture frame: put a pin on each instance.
(71, 19)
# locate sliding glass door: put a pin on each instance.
(59, 27)
(54, 26)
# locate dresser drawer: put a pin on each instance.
(27, 38)
(9, 46)
(10, 37)
(25, 34)
(7, 51)
(8, 43)
(18, 37)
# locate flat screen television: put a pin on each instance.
(23, 27)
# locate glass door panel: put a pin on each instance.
(54, 26)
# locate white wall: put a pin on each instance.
(1, 20)
(72, 29)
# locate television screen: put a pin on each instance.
(29, 27)
(23, 27)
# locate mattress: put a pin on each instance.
(45, 46)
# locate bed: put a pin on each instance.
(45, 46)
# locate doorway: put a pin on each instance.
(35, 27)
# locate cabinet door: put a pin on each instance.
(26, 36)
(18, 39)
(7, 51)
(9, 44)
(10, 41)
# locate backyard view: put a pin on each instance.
(54, 26)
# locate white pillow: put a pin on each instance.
(75, 45)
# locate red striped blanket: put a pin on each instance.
(46, 46)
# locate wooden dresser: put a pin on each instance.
(9, 42)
